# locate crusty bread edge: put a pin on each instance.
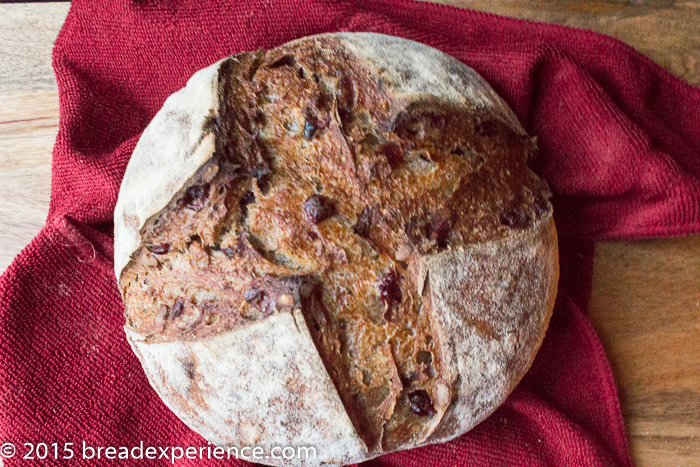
(252, 386)
(174, 145)
(515, 357)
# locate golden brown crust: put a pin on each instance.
(333, 193)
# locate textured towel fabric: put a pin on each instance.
(619, 145)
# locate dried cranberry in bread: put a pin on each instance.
(335, 243)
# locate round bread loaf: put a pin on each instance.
(337, 244)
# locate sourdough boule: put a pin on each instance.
(338, 244)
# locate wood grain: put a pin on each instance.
(668, 32)
(28, 120)
(27, 33)
(645, 303)
(28, 128)
(645, 307)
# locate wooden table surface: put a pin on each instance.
(645, 301)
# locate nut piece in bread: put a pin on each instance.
(337, 244)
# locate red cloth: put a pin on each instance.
(620, 148)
